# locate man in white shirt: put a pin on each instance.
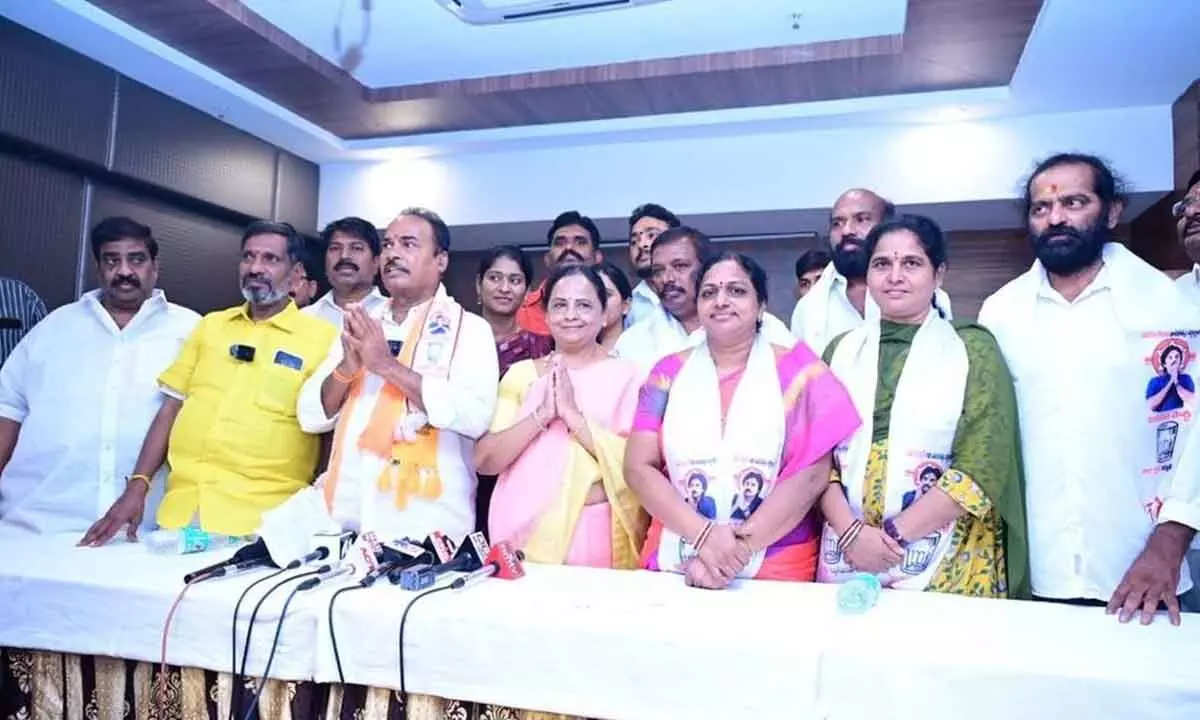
(1187, 225)
(351, 263)
(1098, 343)
(645, 223)
(78, 393)
(677, 256)
(838, 301)
(408, 387)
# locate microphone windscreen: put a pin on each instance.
(256, 550)
(508, 561)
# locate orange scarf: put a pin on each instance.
(411, 454)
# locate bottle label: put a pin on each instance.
(193, 539)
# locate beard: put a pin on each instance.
(850, 257)
(1065, 250)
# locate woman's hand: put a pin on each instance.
(724, 553)
(547, 409)
(873, 551)
(697, 574)
(564, 395)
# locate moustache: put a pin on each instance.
(255, 278)
(1061, 234)
(394, 265)
(672, 288)
(126, 282)
(346, 265)
(570, 254)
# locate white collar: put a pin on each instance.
(643, 289)
(1102, 281)
(327, 298)
(91, 300)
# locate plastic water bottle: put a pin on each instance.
(187, 540)
(858, 594)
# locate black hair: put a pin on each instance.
(929, 235)
(700, 242)
(618, 277)
(512, 252)
(653, 210)
(572, 217)
(354, 227)
(1162, 356)
(810, 260)
(112, 229)
(1107, 185)
(441, 233)
(295, 242)
(758, 276)
(1191, 183)
(928, 232)
(565, 271)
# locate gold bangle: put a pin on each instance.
(139, 476)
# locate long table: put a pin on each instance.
(608, 644)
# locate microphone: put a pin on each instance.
(470, 556)
(502, 562)
(350, 558)
(325, 572)
(438, 548)
(397, 556)
(253, 555)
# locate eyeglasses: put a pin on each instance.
(1185, 206)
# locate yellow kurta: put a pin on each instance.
(236, 448)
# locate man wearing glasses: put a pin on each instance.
(1187, 224)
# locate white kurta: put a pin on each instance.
(826, 312)
(643, 302)
(326, 309)
(84, 392)
(459, 406)
(1189, 285)
(661, 334)
(1080, 383)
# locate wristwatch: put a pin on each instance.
(889, 527)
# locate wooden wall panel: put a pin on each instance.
(980, 263)
(40, 222)
(166, 143)
(198, 256)
(52, 96)
(296, 200)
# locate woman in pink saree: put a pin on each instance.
(557, 440)
(732, 441)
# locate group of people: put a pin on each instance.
(672, 425)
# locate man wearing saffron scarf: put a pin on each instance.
(407, 390)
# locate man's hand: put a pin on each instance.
(372, 346)
(1154, 576)
(126, 513)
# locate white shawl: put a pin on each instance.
(924, 418)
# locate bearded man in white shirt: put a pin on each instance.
(409, 387)
(646, 223)
(1096, 340)
(79, 392)
(676, 257)
(838, 301)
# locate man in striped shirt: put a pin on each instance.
(20, 310)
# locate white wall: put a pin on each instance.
(910, 164)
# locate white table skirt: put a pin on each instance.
(612, 644)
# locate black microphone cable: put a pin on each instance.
(237, 678)
(266, 676)
(337, 657)
(233, 666)
(403, 620)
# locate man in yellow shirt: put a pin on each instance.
(236, 448)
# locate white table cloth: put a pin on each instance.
(113, 601)
(610, 644)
